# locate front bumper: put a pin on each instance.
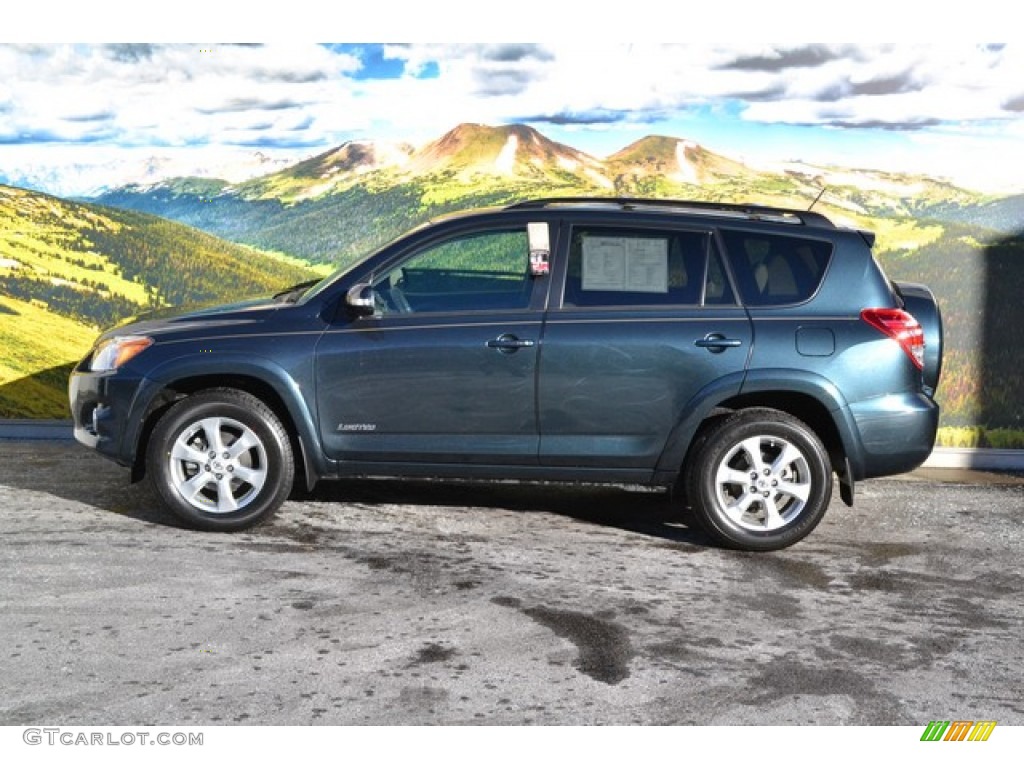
(102, 407)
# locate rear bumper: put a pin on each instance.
(896, 433)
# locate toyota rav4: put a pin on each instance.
(741, 355)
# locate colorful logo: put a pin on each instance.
(958, 730)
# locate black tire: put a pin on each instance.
(758, 480)
(220, 460)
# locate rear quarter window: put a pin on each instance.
(774, 270)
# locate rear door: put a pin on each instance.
(644, 319)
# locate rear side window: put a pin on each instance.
(617, 267)
(776, 269)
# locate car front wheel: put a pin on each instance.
(760, 480)
(220, 460)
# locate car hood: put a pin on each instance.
(169, 320)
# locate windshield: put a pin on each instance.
(318, 286)
(315, 287)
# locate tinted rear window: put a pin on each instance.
(776, 269)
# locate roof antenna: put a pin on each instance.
(816, 199)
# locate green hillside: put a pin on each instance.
(69, 269)
(41, 347)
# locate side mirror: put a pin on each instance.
(360, 299)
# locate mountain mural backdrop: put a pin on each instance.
(71, 267)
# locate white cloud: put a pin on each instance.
(897, 85)
(167, 95)
(170, 94)
(308, 97)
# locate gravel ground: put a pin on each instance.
(415, 603)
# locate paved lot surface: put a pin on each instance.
(395, 603)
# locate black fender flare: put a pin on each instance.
(750, 384)
(233, 365)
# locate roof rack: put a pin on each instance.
(755, 212)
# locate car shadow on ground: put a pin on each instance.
(63, 470)
(73, 473)
(647, 512)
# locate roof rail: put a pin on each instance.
(756, 212)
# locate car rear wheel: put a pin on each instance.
(220, 460)
(760, 480)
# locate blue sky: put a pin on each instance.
(70, 113)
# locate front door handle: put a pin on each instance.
(508, 343)
(716, 342)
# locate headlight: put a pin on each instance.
(115, 352)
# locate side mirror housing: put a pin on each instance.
(360, 300)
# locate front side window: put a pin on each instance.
(480, 271)
(639, 267)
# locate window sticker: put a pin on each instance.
(540, 248)
(538, 234)
(637, 264)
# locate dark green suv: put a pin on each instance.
(741, 355)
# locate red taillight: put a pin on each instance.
(903, 327)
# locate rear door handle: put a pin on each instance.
(508, 343)
(716, 342)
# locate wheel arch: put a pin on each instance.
(810, 398)
(274, 388)
(802, 406)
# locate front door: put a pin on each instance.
(444, 371)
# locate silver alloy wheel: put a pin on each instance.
(218, 465)
(763, 483)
